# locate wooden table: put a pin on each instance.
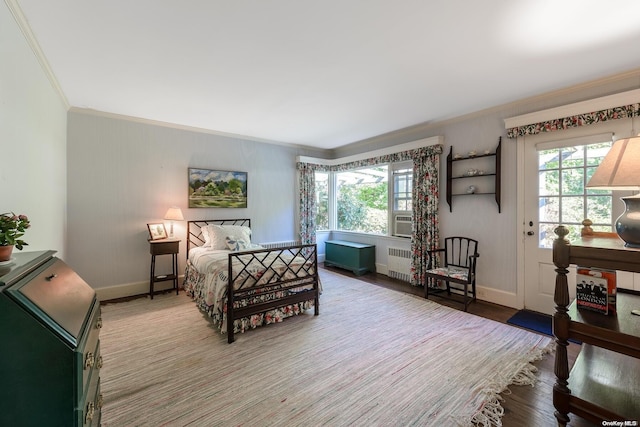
(164, 247)
(604, 383)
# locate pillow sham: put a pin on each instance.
(215, 235)
(236, 245)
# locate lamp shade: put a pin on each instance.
(620, 169)
(174, 213)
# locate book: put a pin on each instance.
(596, 289)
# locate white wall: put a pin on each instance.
(33, 141)
(478, 216)
(117, 175)
(123, 174)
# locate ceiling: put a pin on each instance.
(324, 73)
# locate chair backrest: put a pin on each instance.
(458, 251)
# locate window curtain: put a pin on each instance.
(425, 235)
(425, 196)
(307, 205)
(623, 112)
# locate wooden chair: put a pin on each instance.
(459, 257)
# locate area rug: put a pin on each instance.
(373, 357)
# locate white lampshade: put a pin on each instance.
(174, 213)
(620, 170)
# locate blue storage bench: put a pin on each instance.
(357, 257)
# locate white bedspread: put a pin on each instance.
(204, 259)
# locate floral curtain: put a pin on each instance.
(425, 200)
(425, 235)
(307, 205)
(626, 111)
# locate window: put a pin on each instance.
(362, 200)
(402, 189)
(563, 198)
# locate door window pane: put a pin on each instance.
(549, 183)
(549, 209)
(564, 172)
(548, 159)
(573, 181)
(571, 157)
(546, 234)
(599, 209)
(572, 210)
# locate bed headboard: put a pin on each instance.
(194, 229)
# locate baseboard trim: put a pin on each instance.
(132, 289)
(496, 296)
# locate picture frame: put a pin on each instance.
(210, 188)
(157, 231)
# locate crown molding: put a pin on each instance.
(142, 120)
(23, 24)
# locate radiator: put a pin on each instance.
(399, 264)
(275, 245)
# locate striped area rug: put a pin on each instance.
(373, 357)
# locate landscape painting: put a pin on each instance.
(217, 189)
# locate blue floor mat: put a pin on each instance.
(533, 321)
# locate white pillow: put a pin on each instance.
(215, 235)
(205, 234)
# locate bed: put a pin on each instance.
(241, 285)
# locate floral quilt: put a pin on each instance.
(206, 280)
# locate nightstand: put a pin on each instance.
(164, 247)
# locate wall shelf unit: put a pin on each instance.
(487, 182)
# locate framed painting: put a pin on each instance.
(157, 231)
(217, 189)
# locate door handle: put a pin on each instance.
(530, 233)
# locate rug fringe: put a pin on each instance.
(491, 412)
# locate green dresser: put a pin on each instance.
(357, 257)
(49, 334)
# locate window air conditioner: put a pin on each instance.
(402, 225)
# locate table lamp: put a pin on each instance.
(173, 214)
(620, 170)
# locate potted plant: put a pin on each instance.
(12, 228)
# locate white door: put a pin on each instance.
(555, 174)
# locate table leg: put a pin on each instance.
(151, 276)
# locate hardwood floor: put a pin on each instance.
(523, 405)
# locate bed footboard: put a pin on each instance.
(280, 277)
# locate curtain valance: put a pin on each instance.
(387, 158)
(625, 111)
